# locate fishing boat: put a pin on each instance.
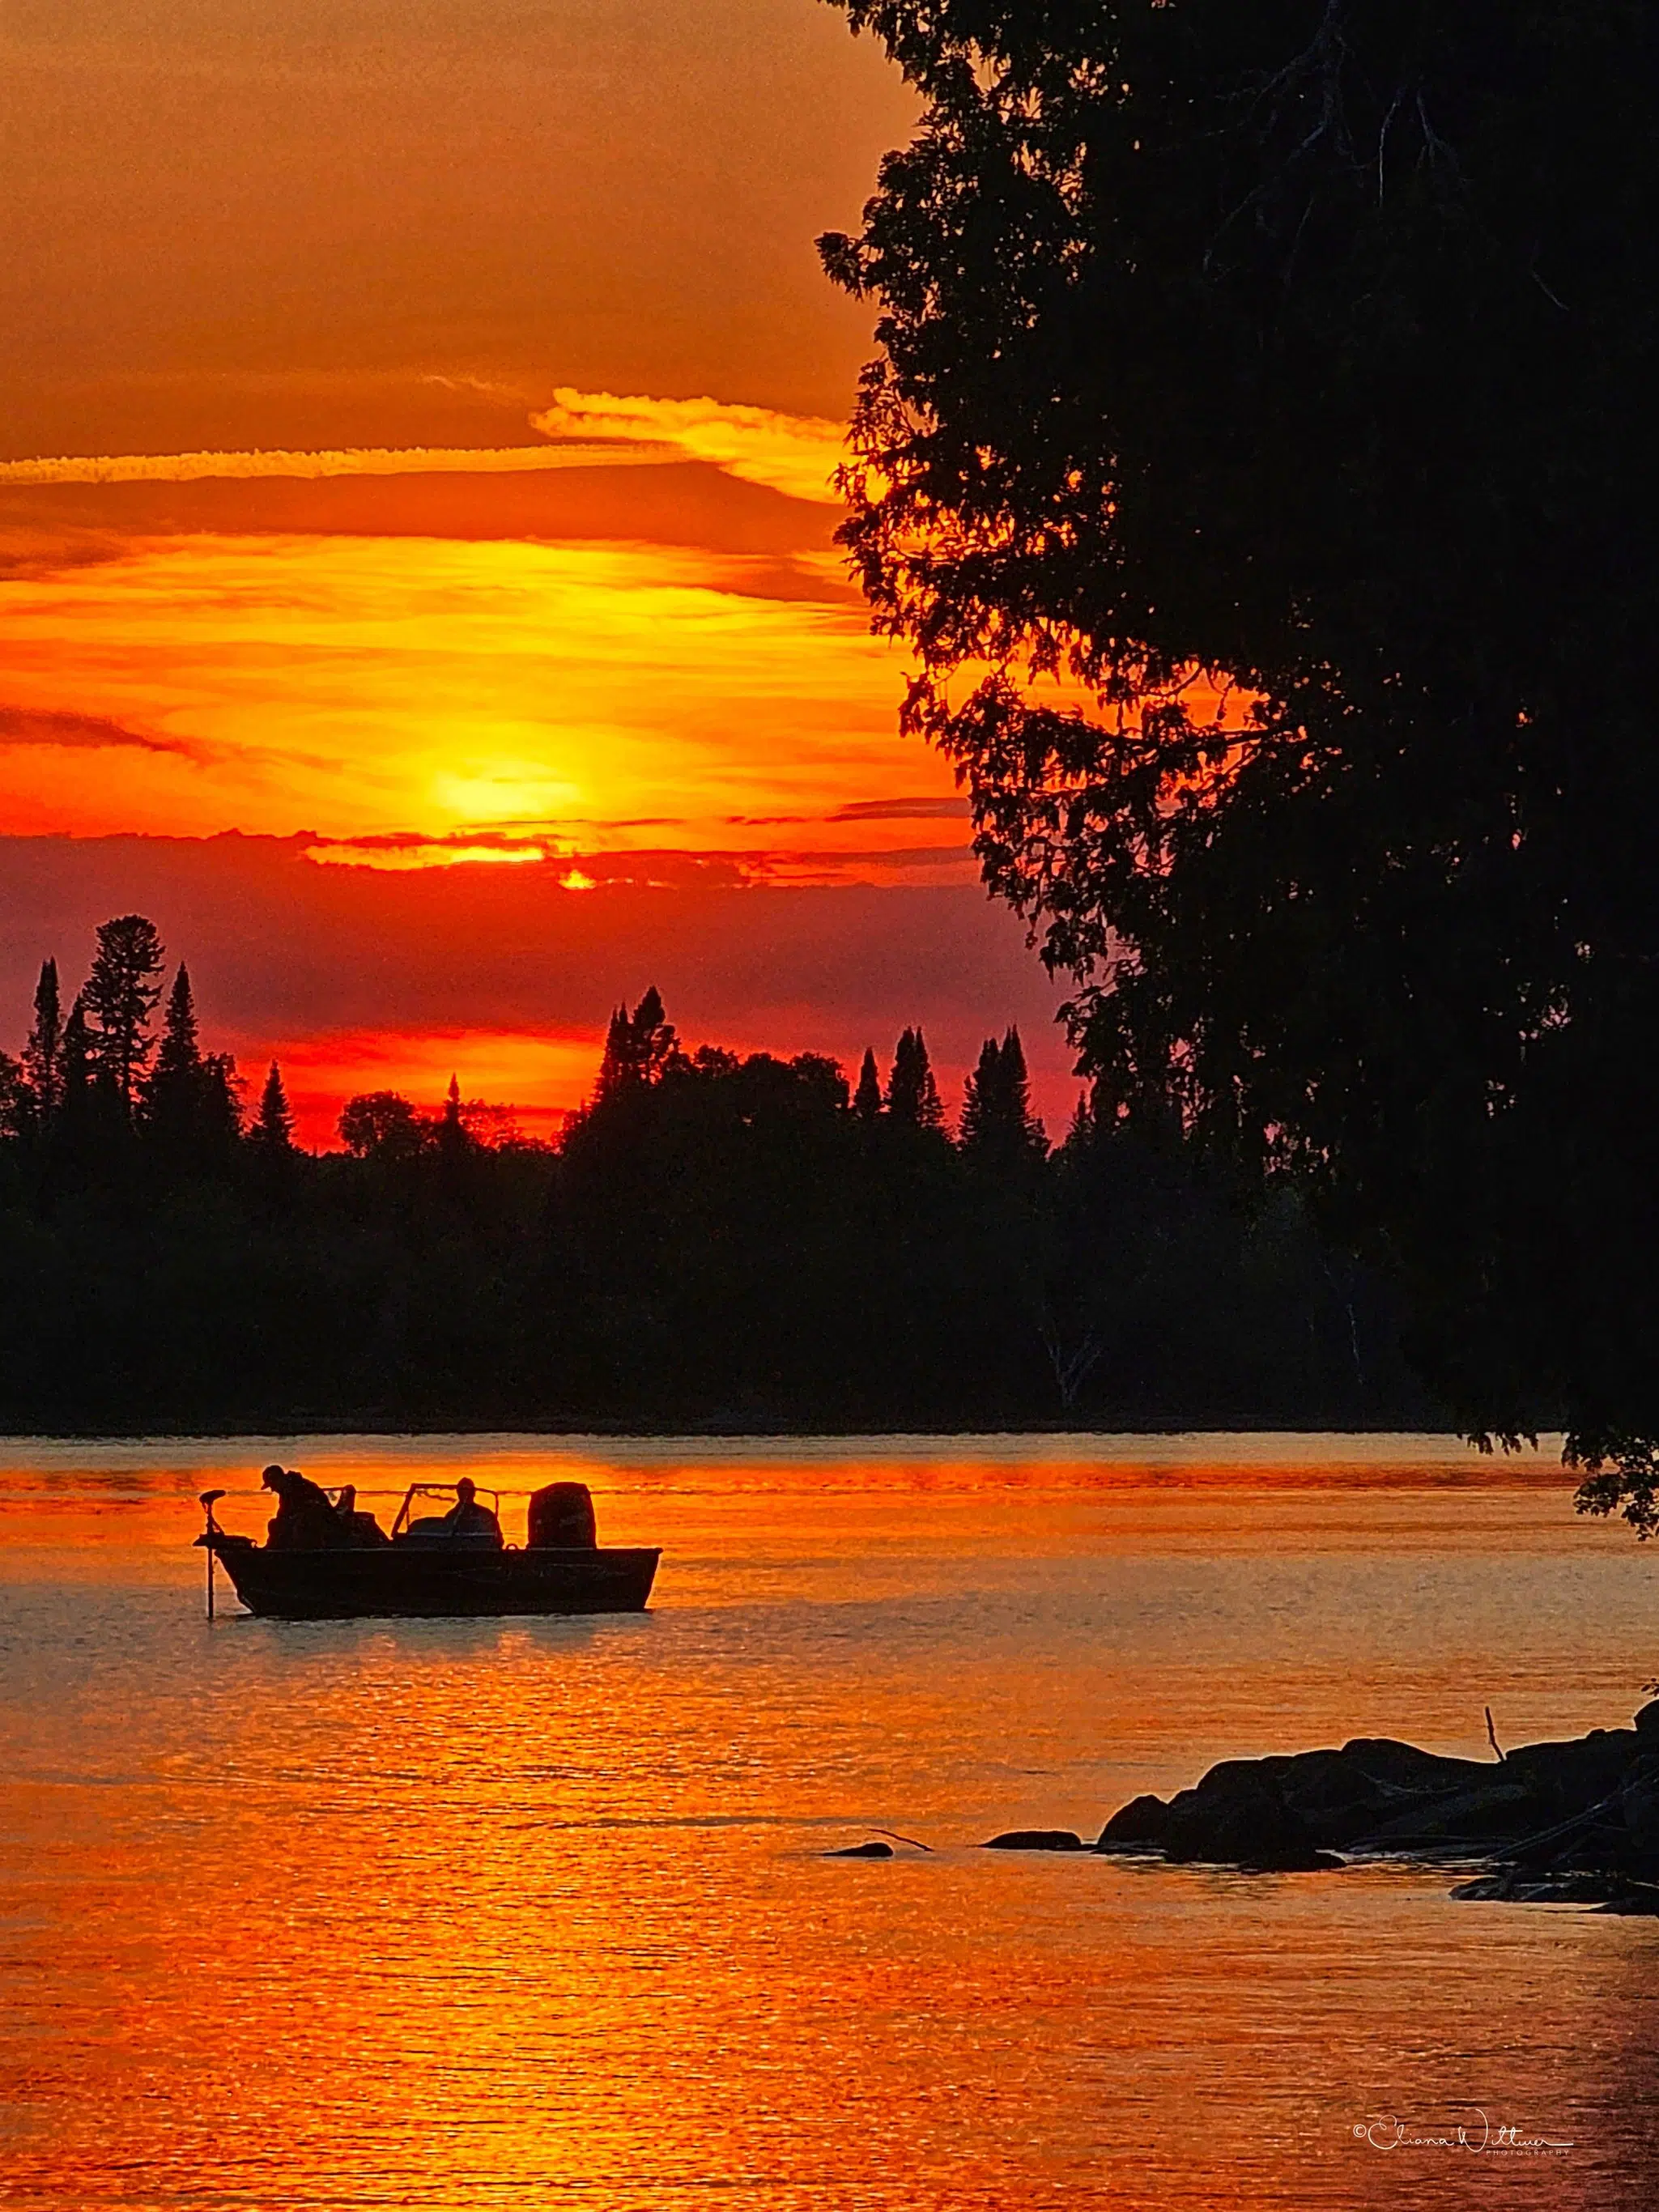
(429, 1567)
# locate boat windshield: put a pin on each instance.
(444, 1496)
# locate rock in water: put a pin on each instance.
(1585, 1808)
(1136, 1826)
(871, 1850)
(1035, 1839)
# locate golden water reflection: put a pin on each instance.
(492, 1914)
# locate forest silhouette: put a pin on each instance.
(715, 1240)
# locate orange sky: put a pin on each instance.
(416, 425)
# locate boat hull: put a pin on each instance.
(412, 1583)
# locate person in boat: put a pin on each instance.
(466, 1517)
(305, 1519)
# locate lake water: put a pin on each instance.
(490, 1915)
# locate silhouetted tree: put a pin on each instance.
(220, 1109)
(1280, 376)
(866, 1099)
(381, 1125)
(726, 1241)
(273, 1125)
(998, 1130)
(43, 1055)
(192, 1113)
(17, 1108)
(173, 1094)
(453, 1137)
(78, 1070)
(119, 997)
(638, 1047)
(913, 1099)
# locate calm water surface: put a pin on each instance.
(477, 1917)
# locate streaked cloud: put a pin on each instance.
(797, 454)
(395, 855)
(794, 454)
(347, 461)
(42, 725)
(903, 810)
(363, 688)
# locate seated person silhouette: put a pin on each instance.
(466, 1517)
(305, 1520)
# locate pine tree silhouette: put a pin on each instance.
(639, 1047)
(119, 998)
(77, 1063)
(913, 1099)
(997, 1126)
(866, 1099)
(980, 1100)
(454, 1138)
(273, 1125)
(43, 1055)
(174, 1095)
(78, 1122)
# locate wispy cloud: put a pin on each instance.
(399, 855)
(902, 810)
(797, 454)
(347, 461)
(40, 726)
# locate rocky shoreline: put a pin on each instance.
(1572, 1822)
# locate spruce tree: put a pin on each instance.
(43, 1055)
(17, 1114)
(655, 1040)
(866, 1099)
(453, 1137)
(979, 1101)
(273, 1125)
(1024, 1127)
(999, 1129)
(120, 997)
(639, 1046)
(78, 1124)
(77, 1058)
(616, 1067)
(218, 1129)
(173, 1095)
(913, 1098)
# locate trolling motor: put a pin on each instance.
(207, 1501)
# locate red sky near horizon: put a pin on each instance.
(417, 419)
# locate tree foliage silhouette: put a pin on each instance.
(913, 1099)
(118, 998)
(638, 1047)
(999, 1129)
(1263, 407)
(273, 1124)
(866, 1099)
(43, 1055)
(381, 1125)
(719, 1238)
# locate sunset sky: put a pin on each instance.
(416, 423)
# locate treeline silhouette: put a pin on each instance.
(716, 1240)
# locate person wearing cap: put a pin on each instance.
(305, 1520)
(466, 1517)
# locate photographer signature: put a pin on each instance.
(1386, 2132)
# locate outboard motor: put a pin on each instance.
(562, 1518)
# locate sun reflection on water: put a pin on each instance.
(495, 1914)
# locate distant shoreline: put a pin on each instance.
(734, 1428)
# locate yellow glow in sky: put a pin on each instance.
(643, 696)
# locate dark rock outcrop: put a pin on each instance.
(871, 1850)
(1036, 1839)
(1575, 1821)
